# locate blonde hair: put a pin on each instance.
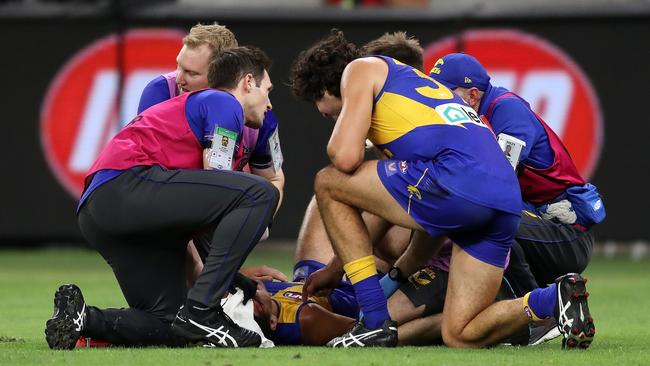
(217, 37)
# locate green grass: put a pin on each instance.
(620, 296)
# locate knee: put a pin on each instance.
(324, 182)
(455, 339)
(271, 193)
(264, 191)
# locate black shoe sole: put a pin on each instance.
(582, 332)
(60, 331)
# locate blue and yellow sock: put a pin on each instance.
(541, 302)
(303, 269)
(363, 275)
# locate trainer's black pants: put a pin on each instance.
(544, 250)
(141, 222)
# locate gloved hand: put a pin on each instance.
(248, 286)
(561, 211)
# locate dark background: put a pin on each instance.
(611, 49)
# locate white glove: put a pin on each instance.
(560, 211)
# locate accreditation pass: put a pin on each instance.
(223, 149)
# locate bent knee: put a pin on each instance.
(455, 339)
(263, 190)
(325, 181)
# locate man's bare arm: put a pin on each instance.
(275, 177)
(319, 325)
(346, 147)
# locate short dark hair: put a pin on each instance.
(398, 46)
(320, 68)
(265, 325)
(229, 67)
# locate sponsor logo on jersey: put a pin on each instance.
(80, 111)
(541, 73)
(458, 114)
(292, 295)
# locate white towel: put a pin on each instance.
(244, 315)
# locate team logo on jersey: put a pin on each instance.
(403, 166)
(80, 111)
(423, 277)
(390, 168)
(553, 84)
(414, 191)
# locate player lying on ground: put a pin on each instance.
(420, 122)
(571, 246)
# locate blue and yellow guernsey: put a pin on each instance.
(415, 118)
(288, 297)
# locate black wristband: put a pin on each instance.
(395, 274)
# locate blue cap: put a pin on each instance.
(460, 69)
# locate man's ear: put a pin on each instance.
(475, 94)
(249, 82)
(273, 322)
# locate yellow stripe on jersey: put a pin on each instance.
(290, 300)
(396, 115)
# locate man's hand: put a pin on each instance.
(320, 283)
(263, 273)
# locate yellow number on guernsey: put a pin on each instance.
(434, 93)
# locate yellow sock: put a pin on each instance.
(360, 269)
(528, 310)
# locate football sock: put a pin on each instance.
(303, 269)
(363, 275)
(541, 302)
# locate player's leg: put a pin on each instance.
(341, 197)
(149, 269)
(417, 307)
(471, 319)
(313, 248)
(422, 295)
(392, 244)
(421, 331)
(235, 207)
(518, 272)
(238, 207)
(150, 272)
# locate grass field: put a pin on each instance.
(620, 297)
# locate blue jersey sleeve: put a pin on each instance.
(155, 92)
(261, 156)
(208, 109)
(511, 116)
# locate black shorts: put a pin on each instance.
(427, 287)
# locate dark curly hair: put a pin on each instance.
(319, 68)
